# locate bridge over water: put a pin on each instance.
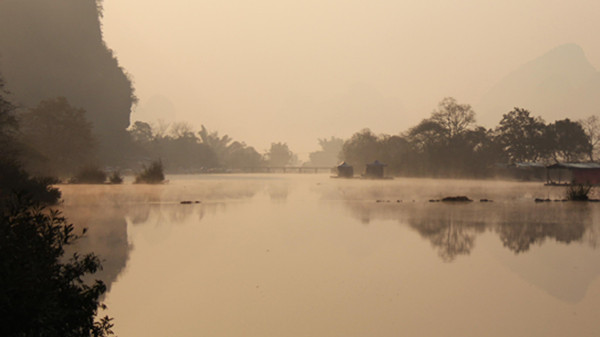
(288, 169)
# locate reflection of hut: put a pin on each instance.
(375, 169)
(345, 171)
(576, 173)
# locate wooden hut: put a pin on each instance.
(375, 169)
(345, 171)
(573, 173)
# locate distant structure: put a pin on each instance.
(345, 171)
(527, 171)
(573, 173)
(375, 170)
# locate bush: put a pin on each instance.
(152, 174)
(89, 175)
(41, 292)
(579, 192)
(115, 178)
(13, 179)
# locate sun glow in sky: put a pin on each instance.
(294, 71)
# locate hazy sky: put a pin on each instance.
(295, 71)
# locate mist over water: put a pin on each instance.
(298, 255)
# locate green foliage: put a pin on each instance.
(89, 175)
(152, 174)
(42, 293)
(578, 192)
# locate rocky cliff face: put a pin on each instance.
(559, 84)
(55, 48)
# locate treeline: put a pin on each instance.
(450, 144)
(14, 178)
(184, 150)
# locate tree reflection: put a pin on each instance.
(450, 233)
(450, 238)
(453, 228)
(563, 225)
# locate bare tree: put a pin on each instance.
(453, 117)
(591, 126)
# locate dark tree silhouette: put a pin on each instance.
(452, 117)
(41, 292)
(362, 148)
(568, 141)
(60, 133)
(522, 136)
(329, 155)
(279, 155)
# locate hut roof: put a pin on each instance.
(377, 163)
(529, 165)
(344, 164)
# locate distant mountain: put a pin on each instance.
(55, 48)
(560, 84)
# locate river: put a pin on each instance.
(307, 255)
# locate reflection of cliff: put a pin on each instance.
(55, 48)
(106, 237)
(104, 210)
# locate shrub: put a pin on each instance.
(579, 192)
(115, 178)
(89, 175)
(152, 174)
(42, 293)
(14, 179)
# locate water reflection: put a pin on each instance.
(106, 211)
(309, 255)
(453, 228)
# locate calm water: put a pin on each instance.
(306, 255)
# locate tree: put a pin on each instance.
(180, 130)
(329, 153)
(141, 132)
(396, 152)
(41, 292)
(12, 175)
(591, 126)
(239, 155)
(8, 125)
(522, 136)
(362, 148)
(452, 117)
(568, 141)
(279, 155)
(217, 143)
(60, 133)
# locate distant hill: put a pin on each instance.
(559, 84)
(55, 48)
